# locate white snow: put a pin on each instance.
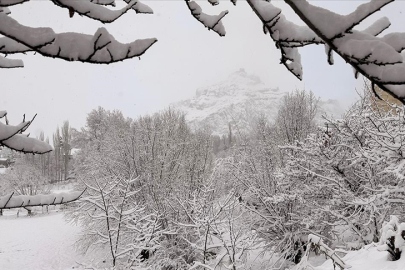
(26, 144)
(7, 131)
(367, 258)
(42, 242)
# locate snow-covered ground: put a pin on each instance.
(367, 258)
(41, 242)
(46, 242)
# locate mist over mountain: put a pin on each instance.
(239, 100)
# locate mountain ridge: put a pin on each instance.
(238, 100)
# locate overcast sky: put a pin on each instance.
(186, 57)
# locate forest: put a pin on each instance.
(161, 195)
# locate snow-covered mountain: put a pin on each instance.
(238, 100)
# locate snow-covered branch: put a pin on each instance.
(10, 63)
(378, 59)
(99, 48)
(212, 22)
(11, 201)
(95, 10)
(287, 35)
(12, 137)
(317, 241)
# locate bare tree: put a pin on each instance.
(296, 116)
(66, 148)
(57, 155)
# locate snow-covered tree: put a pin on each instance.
(296, 116)
(273, 205)
(66, 148)
(13, 137)
(168, 160)
(115, 218)
(379, 59)
(352, 170)
(25, 178)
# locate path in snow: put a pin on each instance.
(42, 242)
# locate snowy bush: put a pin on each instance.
(340, 181)
(25, 178)
(354, 175)
(393, 238)
(113, 217)
(215, 229)
(275, 205)
(316, 242)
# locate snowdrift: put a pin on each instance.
(367, 258)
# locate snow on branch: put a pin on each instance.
(212, 22)
(104, 2)
(25, 144)
(10, 63)
(378, 27)
(11, 137)
(317, 241)
(94, 10)
(141, 8)
(101, 48)
(287, 35)
(10, 46)
(8, 131)
(11, 201)
(378, 59)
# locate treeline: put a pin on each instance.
(57, 165)
(164, 196)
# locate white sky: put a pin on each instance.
(186, 57)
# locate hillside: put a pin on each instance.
(238, 100)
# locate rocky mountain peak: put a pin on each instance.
(237, 100)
